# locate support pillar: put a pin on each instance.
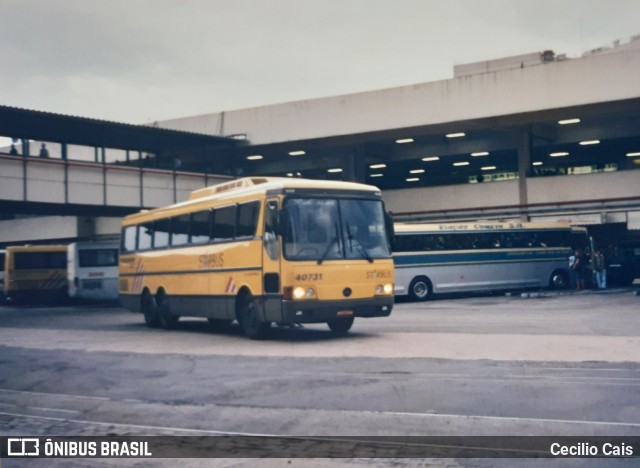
(524, 165)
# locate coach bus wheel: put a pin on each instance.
(149, 310)
(420, 289)
(250, 320)
(166, 319)
(340, 325)
(559, 280)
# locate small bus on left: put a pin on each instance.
(35, 273)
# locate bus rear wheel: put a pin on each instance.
(150, 310)
(559, 280)
(249, 317)
(165, 318)
(340, 325)
(420, 289)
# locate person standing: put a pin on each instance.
(44, 152)
(579, 267)
(599, 266)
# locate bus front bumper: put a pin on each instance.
(323, 311)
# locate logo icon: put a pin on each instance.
(23, 446)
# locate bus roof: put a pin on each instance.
(482, 226)
(263, 184)
(256, 185)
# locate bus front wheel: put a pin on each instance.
(420, 289)
(249, 317)
(340, 325)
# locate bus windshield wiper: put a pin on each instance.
(353, 241)
(333, 241)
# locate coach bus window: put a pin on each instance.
(129, 239)
(319, 230)
(364, 224)
(30, 261)
(40, 260)
(224, 224)
(200, 227)
(180, 230)
(161, 231)
(247, 219)
(312, 230)
(145, 237)
(98, 257)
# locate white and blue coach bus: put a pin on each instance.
(482, 256)
(92, 270)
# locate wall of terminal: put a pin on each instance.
(543, 87)
(599, 196)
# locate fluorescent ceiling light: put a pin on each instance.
(462, 163)
(488, 168)
(416, 171)
(378, 166)
(589, 142)
(568, 121)
(480, 153)
(537, 163)
(431, 158)
(455, 135)
(254, 157)
(297, 153)
(335, 169)
(413, 179)
(404, 140)
(633, 155)
(558, 154)
(376, 175)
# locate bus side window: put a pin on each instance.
(247, 219)
(145, 237)
(223, 227)
(199, 233)
(180, 230)
(161, 234)
(58, 260)
(129, 239)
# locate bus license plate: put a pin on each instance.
(344, 313)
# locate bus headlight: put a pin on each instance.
(303, 293)
(384, 289)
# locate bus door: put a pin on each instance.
(271, 279)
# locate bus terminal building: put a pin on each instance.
(536, 137)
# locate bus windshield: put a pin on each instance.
(330, 229)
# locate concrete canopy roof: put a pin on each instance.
(46, 126)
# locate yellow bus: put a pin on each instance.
(261, 251)
(35, 273)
